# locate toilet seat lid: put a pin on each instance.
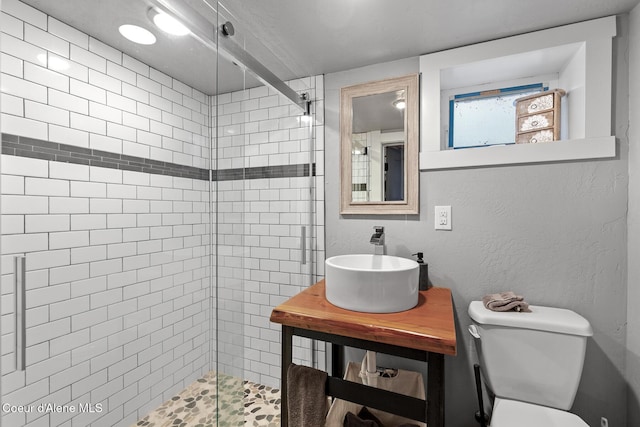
(509, 413)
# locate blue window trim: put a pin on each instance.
(495, 92)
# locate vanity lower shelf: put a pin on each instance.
(425, 333)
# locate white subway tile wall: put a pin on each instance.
(117, 289)
(119, 309)
(360, 169)
(118, 261)
(70, 82)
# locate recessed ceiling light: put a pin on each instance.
(137, 34)
(168, 23)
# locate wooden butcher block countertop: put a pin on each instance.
(429, 326)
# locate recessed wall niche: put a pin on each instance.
(576, 58)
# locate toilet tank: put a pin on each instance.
(533, 357)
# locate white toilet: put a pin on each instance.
(532, 362)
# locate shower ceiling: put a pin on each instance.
(101, 19)
(324, 36)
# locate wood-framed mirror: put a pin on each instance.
(379, 147)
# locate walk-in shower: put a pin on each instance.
(157, 202)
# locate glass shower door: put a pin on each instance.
(265, 222)
(156, 205)
(106, 275)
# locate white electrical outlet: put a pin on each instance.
(604, 422)
(443, 218)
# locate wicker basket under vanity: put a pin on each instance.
(538, 117)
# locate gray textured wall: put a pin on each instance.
(633, 221)
(556, 233)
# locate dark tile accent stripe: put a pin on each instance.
(14, 145)
(28, 147)
(281, 171)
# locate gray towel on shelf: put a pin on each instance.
(366, 414)
(366, 419)
(505, 301)
(352, 420)
(306, 397)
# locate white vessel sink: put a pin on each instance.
(372, 283)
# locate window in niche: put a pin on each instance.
(576, 58)
(480, 119)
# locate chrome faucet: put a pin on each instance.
(377, 239)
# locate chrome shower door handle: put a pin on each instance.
(303, 245)
(20, 306)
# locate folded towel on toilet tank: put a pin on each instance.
(505, 301)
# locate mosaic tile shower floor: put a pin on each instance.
(242, 404)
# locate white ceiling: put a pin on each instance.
(322, 36)
(325, 36)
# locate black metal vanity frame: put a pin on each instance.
(430, 411)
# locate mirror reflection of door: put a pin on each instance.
(393, 172)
